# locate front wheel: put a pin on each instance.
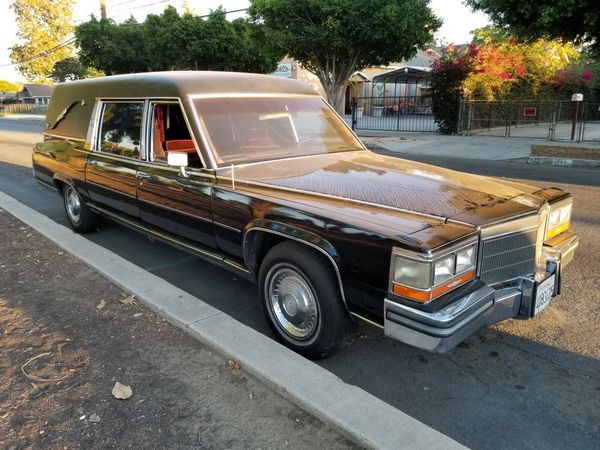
(301, 300)
(81, 217)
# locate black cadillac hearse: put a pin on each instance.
(259, 175)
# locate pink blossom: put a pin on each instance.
(586, 75)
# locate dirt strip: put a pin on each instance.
(67, 336)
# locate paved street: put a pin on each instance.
(533, 384)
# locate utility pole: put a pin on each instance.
(103, 9)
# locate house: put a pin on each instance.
(290, 68)
(38, 94)
(370, 81)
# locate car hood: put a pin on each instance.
(383, 181)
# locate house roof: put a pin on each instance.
(403, 75)
(37, 90)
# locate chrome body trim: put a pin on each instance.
(203, 136)
(561, 248)
(43, 183)
(251, 95)
(439, 252)
(364, 319)
(207, 255)
(514, 225)
(150, 113)
(310, 244)
(99, 114)
(67, 138)
(227, 227)
(291, 158)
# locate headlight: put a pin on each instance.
(412, 273)
(425, 277)
(443, 269)
(465, 259)
(559, 219)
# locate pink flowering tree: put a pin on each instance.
(583, 78)
(447, 77)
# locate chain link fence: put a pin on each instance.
(542, 119)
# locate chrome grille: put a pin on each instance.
(507, 257)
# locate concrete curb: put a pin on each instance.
(564, 162)
(350, 410)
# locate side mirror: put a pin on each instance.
(178, 159)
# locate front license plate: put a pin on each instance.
(543, 295)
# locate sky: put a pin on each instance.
(458, 19)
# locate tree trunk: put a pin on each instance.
(334, 93)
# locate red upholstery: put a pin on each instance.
(158, 134)
(181, 145)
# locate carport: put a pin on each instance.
(412, 78)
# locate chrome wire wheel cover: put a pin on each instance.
(73, 205)
(292, 302)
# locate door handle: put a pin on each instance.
(144, 176)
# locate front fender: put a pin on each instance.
(285, 230)
(256, 229)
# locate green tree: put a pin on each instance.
(71, 69)
(189, 42)
(112, 48)
(43, 26)
(170, 41)
(333, 39)
(570, 20)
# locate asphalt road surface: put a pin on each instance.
(519, 384)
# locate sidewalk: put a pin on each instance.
(471, 147)
(68, 335)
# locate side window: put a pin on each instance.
(121, 129)
(170, 133)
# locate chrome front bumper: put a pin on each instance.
(441, 331)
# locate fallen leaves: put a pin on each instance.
(233, 365)
(121, 391)
(101, 305)
(128, 300)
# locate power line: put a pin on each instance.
(224, 13)
(44, 53)
(133, 8)
(72, 40)
(122, 3)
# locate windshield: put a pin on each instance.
(251, 129)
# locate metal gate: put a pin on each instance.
(542, 119)
(393, 114)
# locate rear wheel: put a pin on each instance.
(301, 300)
(81, 217)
